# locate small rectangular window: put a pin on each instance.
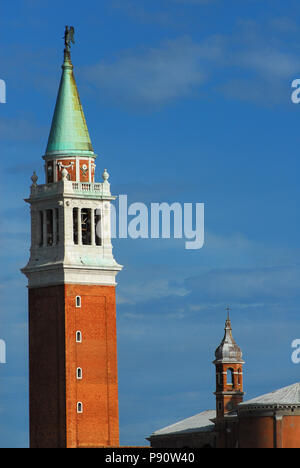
(79, 373)
(79, 407)
(78, 301)
(78, 337)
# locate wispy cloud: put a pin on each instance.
(155, 76)
(20, 130)
(250, 64)
(248, 284)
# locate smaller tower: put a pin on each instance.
(229, 373)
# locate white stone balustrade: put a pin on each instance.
(66, 187)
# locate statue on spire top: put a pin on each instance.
(69, 37)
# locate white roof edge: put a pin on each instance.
(192, 424)
(289, 395)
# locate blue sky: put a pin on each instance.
(186, 101)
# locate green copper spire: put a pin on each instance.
(69, 133)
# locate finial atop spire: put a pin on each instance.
(69, 37)
(228, 313)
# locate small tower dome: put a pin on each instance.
(228, 350)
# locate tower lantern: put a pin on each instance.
(71, 279)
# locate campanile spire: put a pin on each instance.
(71, 280)
(69, 133)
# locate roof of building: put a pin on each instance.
(198, 423)
(228, 350)
(69, 133)
(284, 396)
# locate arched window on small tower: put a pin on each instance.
(230, 374)
(79, 373)
(78, 301)
(79, 407)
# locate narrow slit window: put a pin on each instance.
(49, 221)
(78, 337)
(98, 231)
(79, 407)
(57, 224)
(79, 373)
(41, 243)
(78, 301)
(86, 226)
(75, 225)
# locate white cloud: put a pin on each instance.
(157, 76)
(255, 61)
(143, 290)
(247, 284)
(270, 62)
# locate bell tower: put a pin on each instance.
(229, 374)
(71, 281)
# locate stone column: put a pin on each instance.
(278, 430)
